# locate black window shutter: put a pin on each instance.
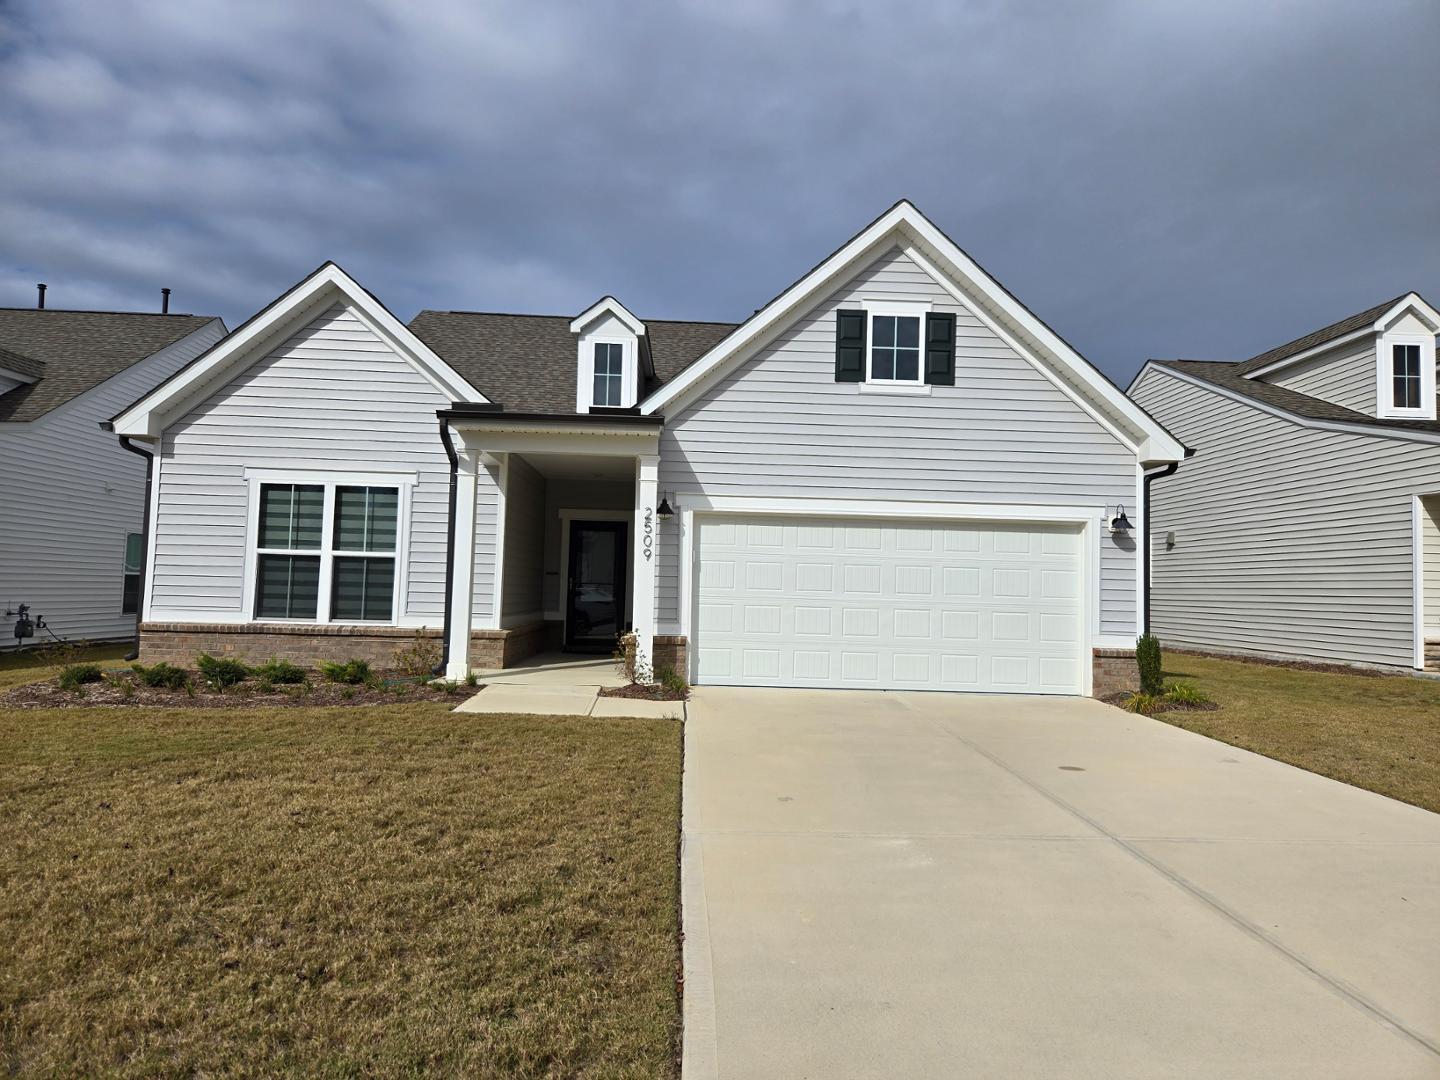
(940, 350)
(850, 346)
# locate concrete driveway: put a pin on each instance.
(889, 884)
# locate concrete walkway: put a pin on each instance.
(561, 684)
(883, 885)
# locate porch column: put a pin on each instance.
(462, 570)
(646, 547)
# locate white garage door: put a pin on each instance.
(889, 604)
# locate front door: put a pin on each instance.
(595, 591)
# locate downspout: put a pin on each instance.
(449, 542)
(1145, 534)
(149, 456)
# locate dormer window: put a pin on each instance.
(1407, 376)
(609, 374)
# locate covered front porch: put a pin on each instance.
(555, 536)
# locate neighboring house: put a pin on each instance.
(893, 475)
(1308, 523)
(72, 501)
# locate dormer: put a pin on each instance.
(610, 357)
(1405, 360)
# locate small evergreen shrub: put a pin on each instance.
(221, 673)
(280, 672)
(673, 681)
(1147, 658)
(74, 676)
(471, 679)
(162, 675)
(420, 658)
(351, 672)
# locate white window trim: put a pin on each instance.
(585, 371)
(1385, 406)
(329, 481)
(901, 309)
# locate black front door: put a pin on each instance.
(595, 590)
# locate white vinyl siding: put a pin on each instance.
(781, 426)
(1288, 540)
(1345, 377)
(332, 397)
(71, 494)
(1430, 561)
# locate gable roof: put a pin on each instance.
(1228, 376)
(526, 363)
(991, 302)
(327, 285)
(70, 352)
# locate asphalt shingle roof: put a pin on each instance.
(1319, 337)
(78, 350)
(526, 363)
(1230, 376)
(13, 361)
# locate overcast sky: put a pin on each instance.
(1153, 179)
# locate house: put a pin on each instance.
(1307, 525)
(892, 475)
(72, 501)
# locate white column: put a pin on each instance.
(646, 547)
(462, 570)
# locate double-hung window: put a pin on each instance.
(609, 373)
(326, 552)
(134, 560)
(1407, 377)
(894, 348)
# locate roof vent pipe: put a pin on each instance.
(41, 287)
(164, 301)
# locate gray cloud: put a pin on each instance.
(1152, 178)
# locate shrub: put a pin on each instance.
(77, 675)
(221, 673)
(1144, 704)
(280, 672)
(420, 658)
(673, 681)
(471, 679)
(162, 675)
(1147, 658)
(1186, 694)
(352, 672)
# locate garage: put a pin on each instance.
(881, 604)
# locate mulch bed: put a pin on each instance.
(645, 693)
(246, 695)
(1119, 699)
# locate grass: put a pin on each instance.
(1381, 733)
(337, 892)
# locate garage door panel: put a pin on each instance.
(905, 605)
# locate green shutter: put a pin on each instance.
(940, 349)
(850, 346)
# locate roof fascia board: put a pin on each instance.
(19, 376)
(1413, 302)
(324, 287)
(1294, 418)
(607, 305)
(1310, 353)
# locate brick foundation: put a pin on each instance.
(670, 650)
(1114, 670)
(254, 643)
(507, 647)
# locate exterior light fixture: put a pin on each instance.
(663, 511)
(1120, 524)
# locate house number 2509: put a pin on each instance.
(647, 542)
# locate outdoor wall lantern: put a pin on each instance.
(663, 511)
(1120, 524)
